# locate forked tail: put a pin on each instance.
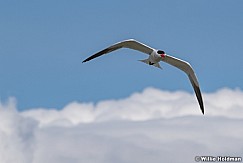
(149, 63)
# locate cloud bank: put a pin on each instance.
(150, 126)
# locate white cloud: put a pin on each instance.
(16, 135)
(151, 126)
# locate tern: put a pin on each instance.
(155, 56)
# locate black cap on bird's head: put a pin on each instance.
(160, 52)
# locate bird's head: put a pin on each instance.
(161, 53)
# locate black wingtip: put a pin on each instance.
(203, 112)
(198, 94)
(85, 60)
(199, 97)
(201, 106)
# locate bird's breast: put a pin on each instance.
(154, 57)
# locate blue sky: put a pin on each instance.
(43, 43)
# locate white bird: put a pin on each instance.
(155, 56)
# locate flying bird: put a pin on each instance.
(155, 56)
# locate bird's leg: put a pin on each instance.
(150, 63)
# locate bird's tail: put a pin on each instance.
(148, 62)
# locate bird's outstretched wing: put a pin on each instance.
(186, 67)
(131, 43)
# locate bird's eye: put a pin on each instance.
(160, 52)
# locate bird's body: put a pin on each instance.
(155, 56)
